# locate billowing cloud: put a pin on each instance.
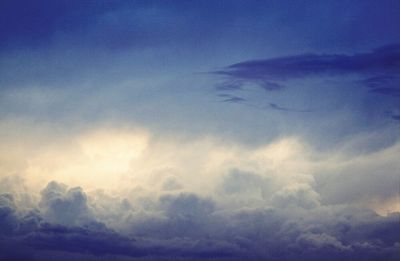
(229, 202)
(66, 207)
(188, 226)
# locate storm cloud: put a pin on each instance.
(191, 227)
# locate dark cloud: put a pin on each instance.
(229, 98)
(186, 226)
(395, 117)
(275, 106)
(381, 60)
(379, 68)
(383, 84)
(7, 214)
(229, 86)
(234, 100)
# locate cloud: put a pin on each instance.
(298, 195)
(384, 84)
(189, 226)
(171, 183)
(310, 82)
(319, 241)
(203, 199)
(243, 182)
(231, 98)
(395, 115)
(7, 214)
(379, 70)
(381, 60)
(65, 206)
(275, 106)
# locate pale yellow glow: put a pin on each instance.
(386, 207)
(96, 159)
(112, 151)
(126, 160)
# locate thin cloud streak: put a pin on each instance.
(380, 69)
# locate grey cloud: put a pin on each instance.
(244, 184)
(8, 218)
(275, 106)
(186, 206)
(234, 99)
(188, 226)
(65, 206)
(171, 183)
(318, 241)
(299, 195)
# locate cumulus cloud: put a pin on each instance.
(207, 199)
(298, 195)
(65, 206)
(7, 214)
(288, 222)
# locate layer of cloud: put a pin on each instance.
(280, 201)
(191, 227)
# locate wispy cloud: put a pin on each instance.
(379, 69)
(275, 106)
(231, 98)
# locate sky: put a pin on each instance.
(199, 130)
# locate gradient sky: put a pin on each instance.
(190, 130)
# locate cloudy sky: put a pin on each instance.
(191, 130)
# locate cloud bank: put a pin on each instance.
(186, 226)
(228, 202)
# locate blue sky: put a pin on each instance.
(194, 120)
